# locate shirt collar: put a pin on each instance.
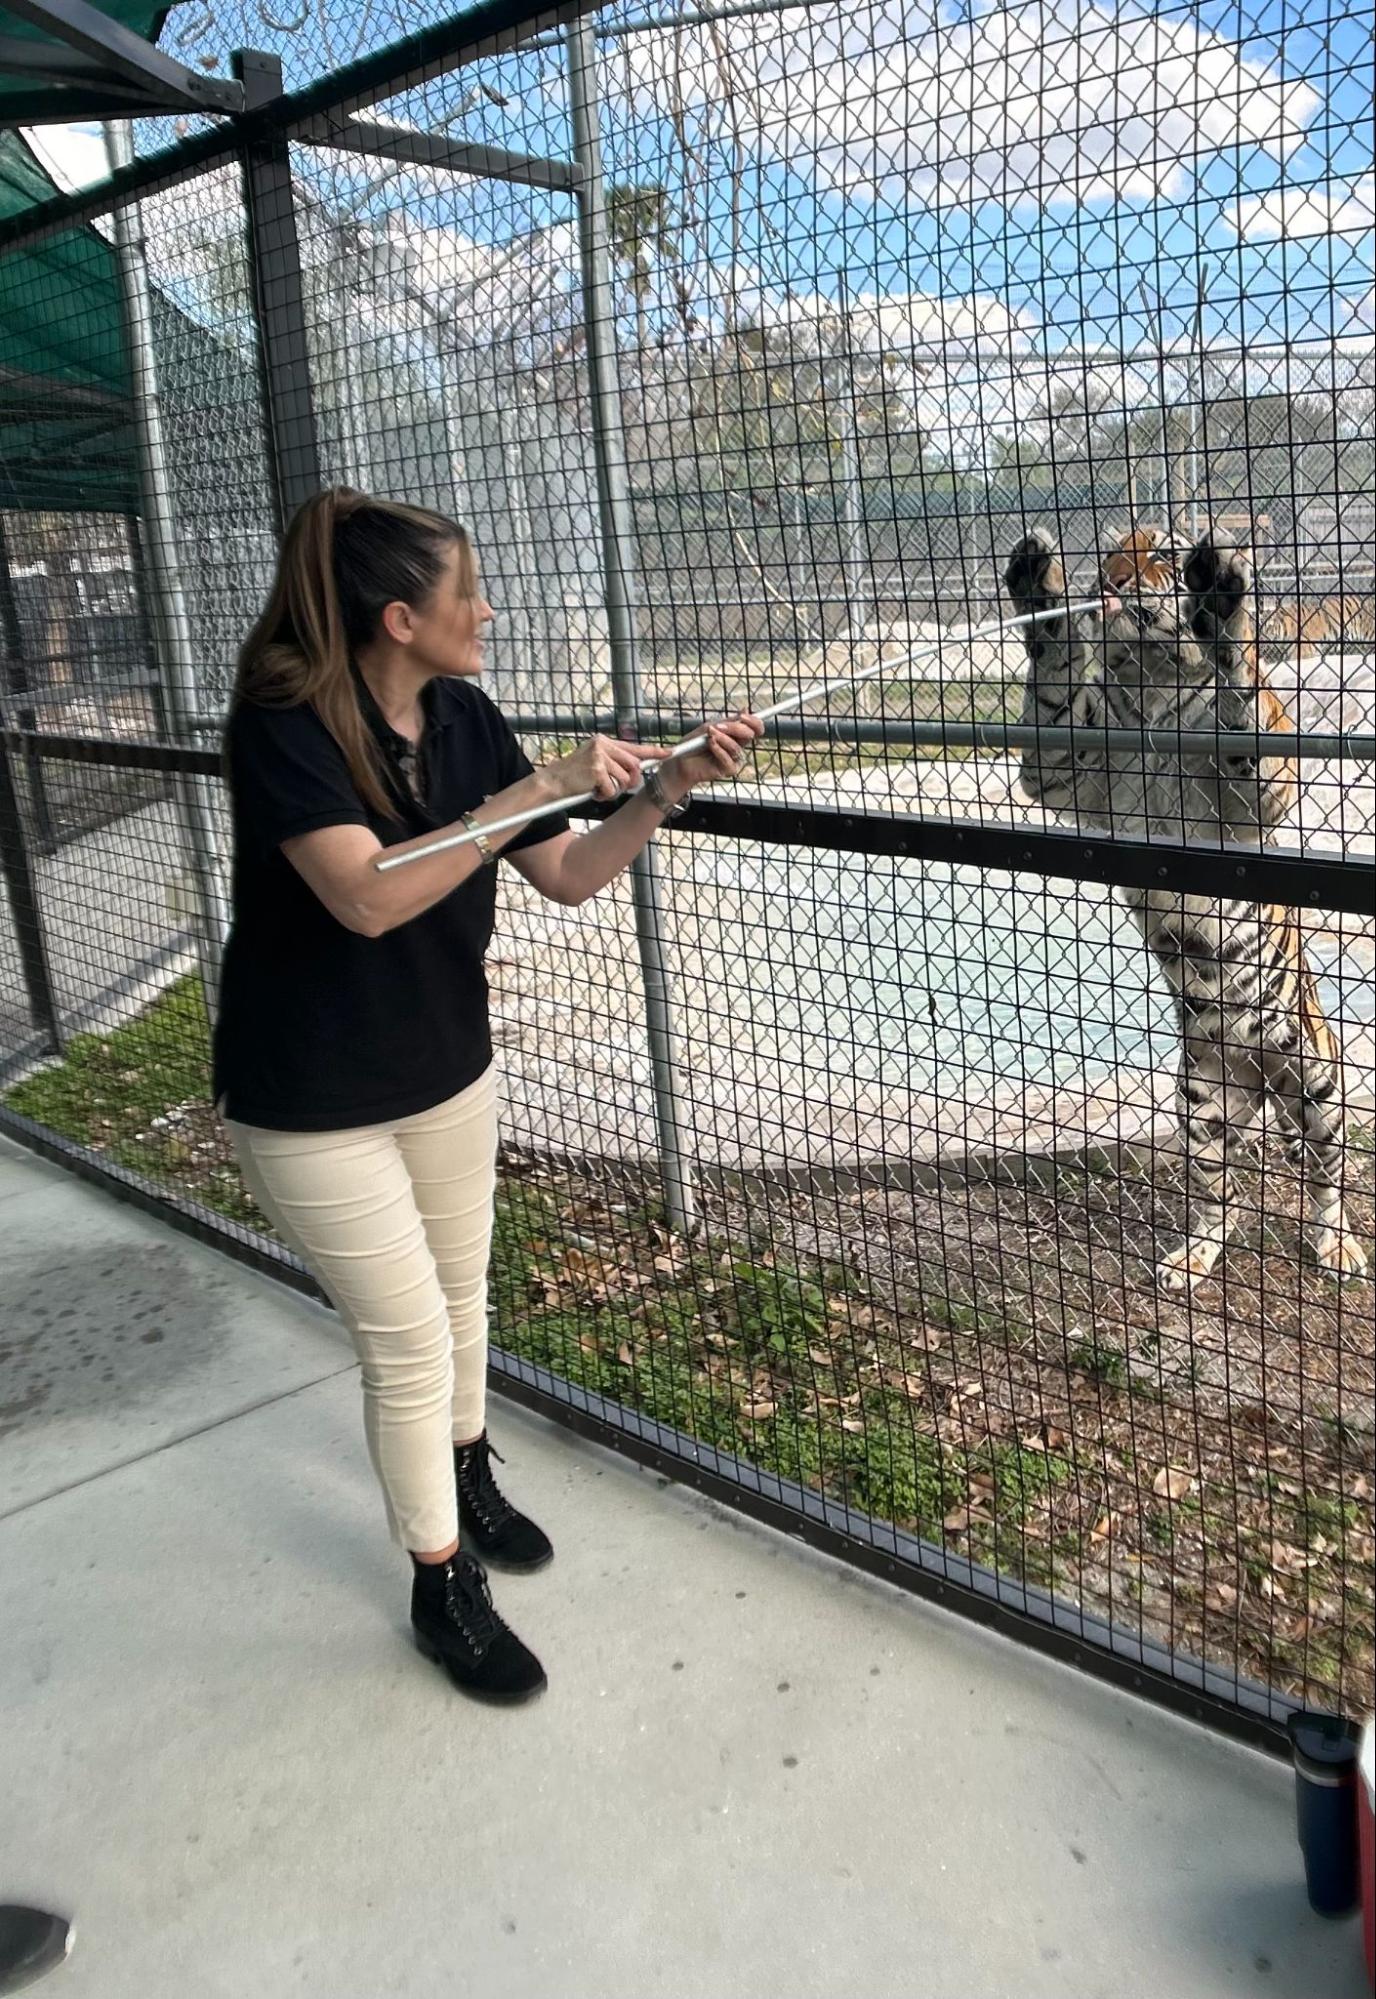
(437, 708)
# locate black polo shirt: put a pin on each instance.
(320, 1029)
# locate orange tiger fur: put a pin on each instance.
(1177, 645)
(1145, 556)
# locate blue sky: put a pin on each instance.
(1056, 224)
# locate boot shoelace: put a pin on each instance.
(480, 1488)
(468, 1601)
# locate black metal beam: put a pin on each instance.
(55, 63)
(125, 60)
(21, 883)
(19, 693)
(484, 30)
(1263, 874)
(117, 755)
(479, 31)
(432, 149)
(154, 175)
(279, 300)
(1032, 1616)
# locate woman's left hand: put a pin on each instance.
(728, 746)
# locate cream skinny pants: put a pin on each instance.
(395, 1221)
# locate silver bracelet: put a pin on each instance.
(659, 797)
(480, 840)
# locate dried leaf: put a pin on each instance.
(957, 1520)
(1046, 1439)
(1291, 1561)
(624, 1354)
(757, 1412)
(1102, 1528)
(853, 1423)
(1172, 1483)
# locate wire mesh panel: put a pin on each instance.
(1006, 1032)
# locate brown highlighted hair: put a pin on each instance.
(345, 557)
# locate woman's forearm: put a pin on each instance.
(600, 856)
(387, 900)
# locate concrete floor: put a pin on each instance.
(756, 1773)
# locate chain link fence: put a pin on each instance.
(842, 1146)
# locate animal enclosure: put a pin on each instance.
(955, 1139)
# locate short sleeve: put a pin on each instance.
(512, 765)
(288, 776)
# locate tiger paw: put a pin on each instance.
(1218, 575)
(1188, 1265)
(1340, 1255)
(1035, 576)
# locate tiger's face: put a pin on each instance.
(1142, 587)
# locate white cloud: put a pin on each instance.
(1341, 210)
(907, 323)
(73, 154)
(1044, 101)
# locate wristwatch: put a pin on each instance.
(659, 797)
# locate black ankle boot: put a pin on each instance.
(489, 1523)
(457, 1626)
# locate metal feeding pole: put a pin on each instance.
(173, 637)
(614, 508)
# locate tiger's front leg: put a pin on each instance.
(1218, 1095)
(1306, 1085)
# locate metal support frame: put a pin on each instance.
(176, 649)
(998, 738)
(614, 507)
(404, 147)
(21, 882)
(97, 49)
(279, 299)
(17, 690)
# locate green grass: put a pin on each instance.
(108, 1090)
(1099, 1362)
(121, 1081)
(790, 1363)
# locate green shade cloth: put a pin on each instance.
(65, 435)
(67, 441)
(32, 100)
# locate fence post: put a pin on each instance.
(17, 687)
(614, 507)
(17, 867)
(278, 296)
(176, 646)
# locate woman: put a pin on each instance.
(353, 1057)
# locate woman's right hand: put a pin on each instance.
(603, 766)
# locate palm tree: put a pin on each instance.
(639, 226)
